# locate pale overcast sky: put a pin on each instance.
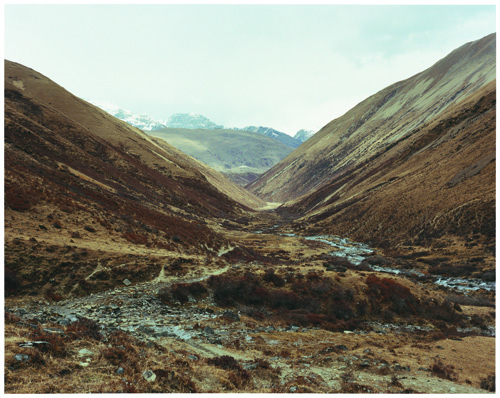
(284, 66)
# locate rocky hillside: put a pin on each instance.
(413, 162)
(240, 155)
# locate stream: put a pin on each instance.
(356, 252)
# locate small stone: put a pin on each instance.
(85, 353)
(208, 330)
(84, 364)
(149, 375)
(293, 389)
(193, 357)
(53, 331)
(31, 344)
(120, 371)
(231, 315)
(126, 282)
(21, 357)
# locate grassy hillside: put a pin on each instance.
(240, 155)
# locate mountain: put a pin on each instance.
(74, 175)
(303, 135)
(240, 155)
(142, 121)
(275, 134)
(191, 121)
(412, 164)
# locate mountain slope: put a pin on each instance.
(77, 177)
(435, 188)
(239, 155)
(412, 165)
(379, 121)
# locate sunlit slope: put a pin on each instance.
(240, 155)
(435, 187)
(380, 121)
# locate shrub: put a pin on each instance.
(477, 300)
(443, 371)
(488, 383)
(341, 310)
(387, 290)
(180, 292)
(276, 280)
(136, 239)
(224, 362)
(115, 356)
(197, 289)
(12, 282)
(85, 328)
(53, 296)
(287, 300)
(231, 290)
(17, 199)
(55, 347)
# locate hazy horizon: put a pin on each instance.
(288, 67)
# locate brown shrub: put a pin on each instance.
(443, 371)
(85, 328)
(12, 281)
(488, 383)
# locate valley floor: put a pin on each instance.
(145, 336)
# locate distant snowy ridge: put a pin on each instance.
(142, 121)
(303, 135)
(194, 121)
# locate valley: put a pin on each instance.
(182, 320)
(361, 262)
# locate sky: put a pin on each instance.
(285, 66)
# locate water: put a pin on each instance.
(356, 252)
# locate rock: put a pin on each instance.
(149, 375)
(21, 358)
(341, 347)
(193, 357)
(85, 353)
(53, 331)
(84, 364)
(33, 344)
(293, 327)
(208, 330)
(126, 282)
(120, 371)
(293, 389)
(231, 315)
